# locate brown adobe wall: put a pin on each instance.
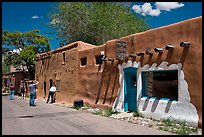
(90, 77)
(88, 81)
(189, 30)
(55, 70)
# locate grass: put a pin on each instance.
(169, 124)
(104, 112)
(85, 106)
(180, 128)
(76, 107)
(137, 114)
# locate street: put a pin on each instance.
(18, 118)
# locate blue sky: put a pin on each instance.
(27, 16)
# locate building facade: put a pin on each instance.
(157, 72)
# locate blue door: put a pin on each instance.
(130, 89)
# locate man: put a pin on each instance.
(51, 93)
(33, 86)
(22, 89)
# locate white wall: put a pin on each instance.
(181, 110)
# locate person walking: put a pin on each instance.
(51, 93)
(32, 87)
(23, 89)
(12, 89)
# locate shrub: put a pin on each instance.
(137, 114)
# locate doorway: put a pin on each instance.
(44, 86)
(51, 83)
(130, 89)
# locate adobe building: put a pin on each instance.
(156, 72)
(14, 76)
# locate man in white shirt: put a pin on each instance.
(51, 93)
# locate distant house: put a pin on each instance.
(157, 72)
(14, 76)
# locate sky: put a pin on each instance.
(27, 16)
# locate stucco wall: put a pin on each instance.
(90, 77)
(86, 82)
(191, 31)
(54, 69)
(153, 107)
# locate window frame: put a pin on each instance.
(82, 60)
(57, 85)
(144, 85)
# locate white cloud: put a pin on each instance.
(168, 5)
(155, 12)
(146, 8)
(36, 17)
(137, 8)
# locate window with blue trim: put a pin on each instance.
(160, 84)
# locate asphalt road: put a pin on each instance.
(18, 118)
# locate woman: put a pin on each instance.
(23, 89)
(11, 87)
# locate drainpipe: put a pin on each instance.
(170, 49)
(160, 51)
(150, 53)
(141, 55)
(185, 45)
(133, 56)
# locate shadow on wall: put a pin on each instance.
(155, 104)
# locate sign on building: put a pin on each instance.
(121, 52)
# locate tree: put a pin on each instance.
(20, 49)
(95, 22)
(5, 68)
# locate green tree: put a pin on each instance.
(19, 48)
(4, 65)
(95, 22)
(5, 68)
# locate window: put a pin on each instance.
(44, 87)
(160, 84)
(98, 59)
(63, 58)
(83, 61)
(58, 85)
(42, 61)
(51, 83)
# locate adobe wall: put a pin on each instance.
(90, 77)
(84, 82)
(55, 69)
(189, 30)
